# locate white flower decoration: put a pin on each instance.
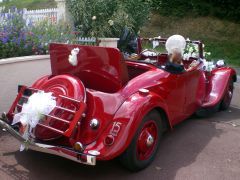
(73, 57)
(94, 18)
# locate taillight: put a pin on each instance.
(109, 140)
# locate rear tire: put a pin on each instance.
(226, 101)
(144, 146)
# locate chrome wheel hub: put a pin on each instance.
(150, 140)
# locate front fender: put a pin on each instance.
(125, 124)
(217, 85)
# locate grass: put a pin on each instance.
(221, 38)
(30, 4)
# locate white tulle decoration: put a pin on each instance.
(155, 43)
(208, 65)
(175, 43)
(38, 105)
(220, 63)
(149, 53)
(73, 57)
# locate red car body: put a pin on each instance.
(101, 102)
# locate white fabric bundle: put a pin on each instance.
(38, 104)
(73, 57)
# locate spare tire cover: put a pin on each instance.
(66, 85)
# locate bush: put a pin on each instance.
(44, 33)
(108, 18)
(18, 39)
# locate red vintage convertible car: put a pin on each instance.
(110, 107)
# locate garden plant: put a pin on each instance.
(17, 38)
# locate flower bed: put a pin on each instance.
(18, 38)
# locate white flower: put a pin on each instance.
(94, 18)
(195, 55)
(207, 53)
(190, 49)
(110, 22)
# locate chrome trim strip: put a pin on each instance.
(50, 149)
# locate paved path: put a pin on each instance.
(199, 149)
(238, 74)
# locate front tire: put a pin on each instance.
(144, 146)
(227, 96)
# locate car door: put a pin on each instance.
(194, 85)
(175, 97)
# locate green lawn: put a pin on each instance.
(222, 38)
(30, 4)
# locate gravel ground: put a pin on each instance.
(199, 149)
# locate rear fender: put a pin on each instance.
(217, 85)
(40, 81)
(125, 124)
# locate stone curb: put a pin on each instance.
(23, 59)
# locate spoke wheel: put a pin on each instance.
(147, 140)
(143, 148)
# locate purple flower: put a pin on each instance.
(4, 40)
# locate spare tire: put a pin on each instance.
(65, 85)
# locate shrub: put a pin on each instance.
(13, 36)
(108, 18)
(43, 33)
(18, 39)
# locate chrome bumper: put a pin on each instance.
(50, 149)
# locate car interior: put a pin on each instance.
(156, 56)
